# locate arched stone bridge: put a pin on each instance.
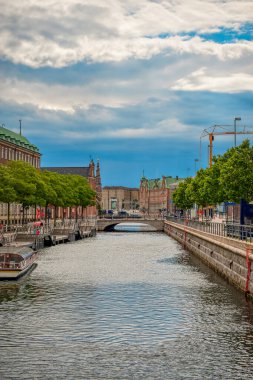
(105, 224)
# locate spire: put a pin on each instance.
(98, 169)
(91, 169)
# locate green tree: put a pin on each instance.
(7, 188)
(67, 190)
(81, 192)
(181, 197)
(236, 173)
(28, 184)
(56, 191)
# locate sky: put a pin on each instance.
(130, 83)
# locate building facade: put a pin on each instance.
(16, 147)
(120, 198)
(156, 195)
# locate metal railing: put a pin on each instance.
(235, 231)
(131, 217)
(10, 265)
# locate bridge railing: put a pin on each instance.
(236, 231)
(130, 217)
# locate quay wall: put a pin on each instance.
(231, 258)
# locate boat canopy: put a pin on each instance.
(24, 252)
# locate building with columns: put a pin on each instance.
(120, 198)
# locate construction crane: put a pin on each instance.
(212, 131)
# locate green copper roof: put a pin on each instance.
(14, 138)
(157, 182)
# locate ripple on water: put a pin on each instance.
(123, 306)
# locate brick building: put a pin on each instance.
(15, 147)
(120, 198)
(155, 194)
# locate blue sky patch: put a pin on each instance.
(223, 36)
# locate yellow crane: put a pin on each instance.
(218, 130)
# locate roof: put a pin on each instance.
(25, 252)
(15, 138)
(156, 183)
(82, 171)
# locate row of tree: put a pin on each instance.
(22, 183)
(229, 179)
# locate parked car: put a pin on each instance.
(123, 214)
(137, 216)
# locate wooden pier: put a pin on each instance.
(50, 235)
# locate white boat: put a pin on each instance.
(15, 261)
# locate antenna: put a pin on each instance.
(20, 127)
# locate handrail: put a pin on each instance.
(235, 231)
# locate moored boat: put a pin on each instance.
(15, 261)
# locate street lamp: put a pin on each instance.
(235, 120)
(196, 160)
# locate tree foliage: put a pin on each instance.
(22, 183)
(236, 175)
(181, 197)
(229, 179)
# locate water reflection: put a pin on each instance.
(133, 227)
(11, 289)
(123, 306)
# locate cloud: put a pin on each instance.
(164, 128)
(58, 34)
(131, 82)
(200, 81)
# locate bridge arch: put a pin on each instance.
(109, 224)
(145, 226)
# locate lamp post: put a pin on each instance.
(196, 160)
(235, 120)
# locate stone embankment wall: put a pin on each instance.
(229, 257)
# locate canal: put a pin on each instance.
(124, 306)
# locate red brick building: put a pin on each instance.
(15, 147)
(155, 195)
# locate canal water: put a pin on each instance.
(124, 306)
